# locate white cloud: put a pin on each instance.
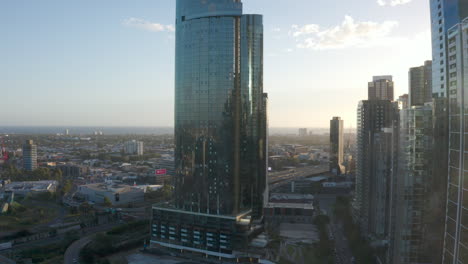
(393, 2)
(304, 30)
(277, 29)
(146, 25)
(349, 33)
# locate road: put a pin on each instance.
(276, 179)
(342, 250)
(343, 253)
(73, 251)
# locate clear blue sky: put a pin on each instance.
(111, 62)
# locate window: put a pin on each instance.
(452, 210)
(453, 193)
(451, 227)
(464, 237)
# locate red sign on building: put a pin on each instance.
(161, 172)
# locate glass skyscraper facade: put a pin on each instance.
(220, 129)
(416, 237)
(456, 230)
(444, 15)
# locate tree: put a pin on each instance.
(12, 173)
(41, 174)
(56, 174)
(163, 194)
(107, 202)
(67, 186)
(102, 244)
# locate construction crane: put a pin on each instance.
(3, 152)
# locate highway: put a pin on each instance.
(276, 179)
(73, 251)
(72, 255)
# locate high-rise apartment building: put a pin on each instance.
(447, 69)
(29, 155)
(415, 240)
(377, 145)
(133, 147)
(376, 164)
(381, 88)
(420, 84)
(456, 226)
(220, 131)
(336, 145)
(444, 15)
(403, 101)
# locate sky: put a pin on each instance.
(111, 62)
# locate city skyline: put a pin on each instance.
(74, 82)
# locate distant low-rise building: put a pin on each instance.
(289, 208)
(31, 187)
(72, 170)
(302, 132)
(117, 194)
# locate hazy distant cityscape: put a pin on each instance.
(136, 130)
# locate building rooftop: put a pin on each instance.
(308, 206)
(31, 186)
(114, 188)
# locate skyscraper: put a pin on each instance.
(377, 126)
(403, 101)
(415, 240)
(220, 130)
(444, 15)
(381, 88)
(456, 231)
(446, 70)
(336, 145)
(377, 153)
(420, 84)
(29, 155)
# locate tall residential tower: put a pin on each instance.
(444, 15)
(220, 131)
(381, 88)
(29, 155)
(377, 149)
(420, 84)
(336, 146)
(456, 226)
